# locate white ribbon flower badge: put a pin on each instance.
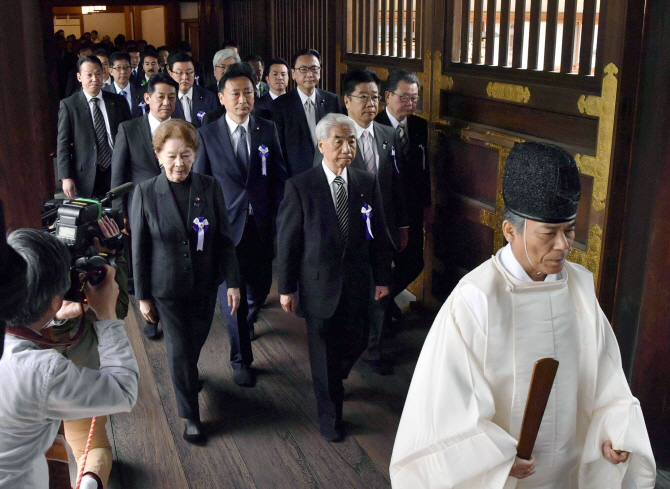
(200, 115)
(200, 225)
(263, 152)
(366, 212)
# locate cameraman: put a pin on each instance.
(40, 387)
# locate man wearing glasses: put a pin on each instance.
(402, 98)
(134, 94)
(194, 101)
(377, 153)
(297, 113)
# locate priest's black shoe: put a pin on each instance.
(150, 330)
(380, 367)
(194, 431)
(244, 377)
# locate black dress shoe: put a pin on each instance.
(244, 377)
(194, 431)
(333, 435)
(396, 313)
(150, 330)
(380, 367)
(252, 332)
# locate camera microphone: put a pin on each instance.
(117, 192)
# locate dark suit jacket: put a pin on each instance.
(241, 186)
(294, 135)
(133, 159)
(76, 150)
(390, 180)
(263, 107)
(311, 255)
(203, 101)
(165, 260)
(136, 96)
(416, 168)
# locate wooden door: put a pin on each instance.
(191, 30)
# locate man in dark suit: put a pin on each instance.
(277, 79)
(298, 112)
(378, 154)
(402, 96)
(73, 85)
(136, 74)
(134, 94)
(333, 256)
(149, 64)
(243, 153)
(87, 125)
(107, 78)
(194, 101)
(256, 62)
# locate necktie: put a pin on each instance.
(368, 153)
(122, 93)
(401, 131)
(104, 151)
(242, 151)
(310, 112)
(187, 108)
(341, 207)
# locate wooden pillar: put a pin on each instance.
(211, 28)
(26, 169)
(642, 308)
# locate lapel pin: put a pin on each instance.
(385, 144)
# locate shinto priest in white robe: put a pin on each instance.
(463, 414)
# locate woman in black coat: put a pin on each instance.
(182, 252)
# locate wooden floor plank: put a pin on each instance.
(260, 431)
(146, 452)
(219, 464)
(336, 465)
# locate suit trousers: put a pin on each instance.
(408, 262)
(377, 315)
(103, 182)
(186, 322)
(334, 346)
(254, 258)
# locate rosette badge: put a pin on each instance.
(263, 152)
(200, 225)
(143, 106)
(200, 115)
(366, 212)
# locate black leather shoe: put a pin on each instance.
(252, 332)
(380, 367)
(194, 431)
(396, 313)
(333, 435)
(244, 377)
(150, 330)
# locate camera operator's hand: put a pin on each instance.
(126, 226)
(70, 310)
(102, 297)
(109, 229)
(148, 310)
(69, 188)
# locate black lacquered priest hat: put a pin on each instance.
(541, 183)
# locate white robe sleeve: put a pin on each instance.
(616, 417)
(446, 438)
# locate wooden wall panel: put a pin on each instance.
(295, 25)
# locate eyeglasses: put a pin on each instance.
(366, 98)
(121, 68)
(188, 73)
(305, 69)
(406, 98)
(222, 67)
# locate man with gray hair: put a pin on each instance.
(40, 387)
(332, 246)
(222, 61)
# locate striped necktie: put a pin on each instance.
(104, 151)
(341, 206)
(401, 131)
(368, 153)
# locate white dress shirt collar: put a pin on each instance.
(89, 97)
(118, 89)
(154, 123)
(360, 130)
(189, 94)
(513, 266)
(232, 125)
(394, 121)
(331, 176)
(304, 98)
(273, 96)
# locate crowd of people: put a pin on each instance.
(233, 171)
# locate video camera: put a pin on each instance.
(74, 222)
